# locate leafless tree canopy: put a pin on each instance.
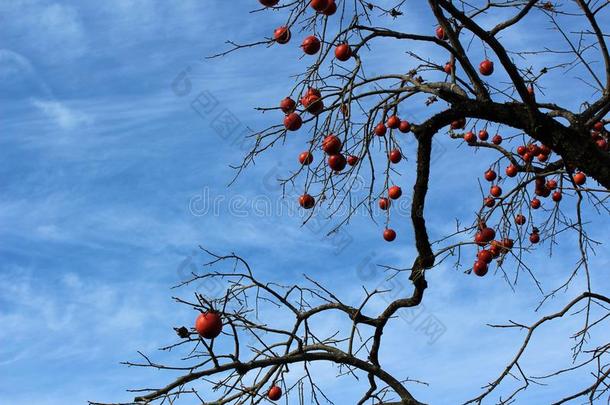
(544, 154)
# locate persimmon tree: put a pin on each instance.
(549, 166)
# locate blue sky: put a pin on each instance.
(105, 169)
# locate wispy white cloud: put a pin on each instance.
(52, 30)
(13, 63)
(61, 114)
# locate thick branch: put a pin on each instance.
(307, 353)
